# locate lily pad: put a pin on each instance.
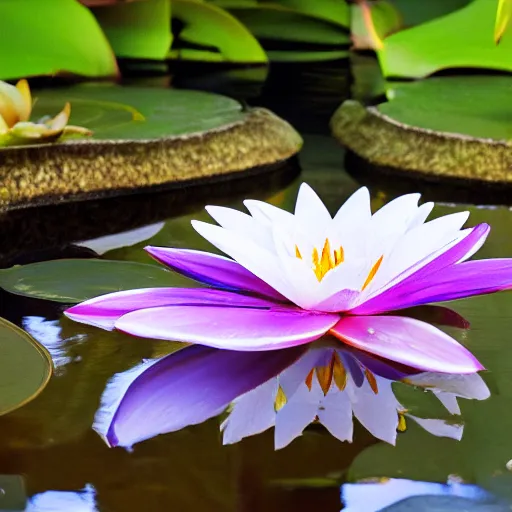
(76, 280)
(461, 39)
(138, 30)
(58, 35)
(211, 34)
(25, 367)
(143, 139)
(454, 128)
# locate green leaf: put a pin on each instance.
(462, 39)
(269, 21)
(415, 12)
(113, 112)
(25, 367)
(49, 37)
(222, 36)
(467, 105)
(71, 281)
(503, 19)
(138, 30)
(332, 10)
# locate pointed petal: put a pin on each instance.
(105, 310)
(393, 295)
(252, 413)
(212, 269)
(421, 215)
(297, 414)
(377, 412)
(470, 386)
(25, 106)
(228, 328)
(439, 428)
(269, 213)
(257, 260)
(355, 210)
(310, 209)
(188, 387)
(335, 414)
(449, 401)
(407, 341)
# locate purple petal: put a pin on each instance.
(438, 315)
(229, 328)
(213, 270)
(407, 341)
(391, 298)
(105, 310)
(189, 387)
(477, 277)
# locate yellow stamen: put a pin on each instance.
(297, 252)
(372, 273)
(371, 380)
(280, 400)
(327, 261)
(339, 373)
(339, 256)
(402, 424)
(309, 379)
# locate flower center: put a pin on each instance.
(328, 259)
(325, 261)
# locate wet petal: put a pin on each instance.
(105, 310)
(212, 269)
(188, 387)
(407, 341)
(228, 328)
(252, 413)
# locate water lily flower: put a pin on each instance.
(323, 382)
(15, 110)
(291, 278)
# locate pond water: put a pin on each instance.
(50, 454)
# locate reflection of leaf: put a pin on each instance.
(503, 19)
(77, 44)
(78, 280)
(214, 34)
(25, 367)
(461, 39)
(137, 29)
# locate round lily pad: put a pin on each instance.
(443, 128)
(143, 138)
(25, 367)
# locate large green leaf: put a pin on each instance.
(52, 36)
(113, 112)
(473, 105)
(25, 367)
(213, 34)
(137, 29)
(77, 280)
(462, 39)
(332, 10)
(418, 11)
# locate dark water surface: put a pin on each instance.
(49, 452)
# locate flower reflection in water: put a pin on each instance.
(325, 382)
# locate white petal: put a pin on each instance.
(449, 401)
(243, 224)
(261, 262)
(354, 212)
(297, 414)
(294, 376)
(421, 215)
(107, 243)
(311, 213)
(439, 428)
(335, 414)
(252, 413)
(376, 412)
(417, 244)
(265, 212)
